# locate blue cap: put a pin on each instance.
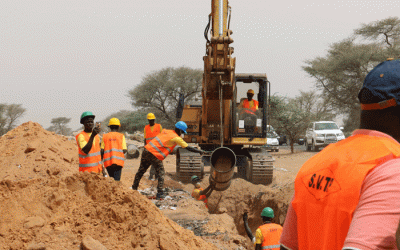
(381, 88)
(182, 126)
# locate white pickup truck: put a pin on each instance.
(322, 133)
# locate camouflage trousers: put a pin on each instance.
(152, 172)
(145, 162)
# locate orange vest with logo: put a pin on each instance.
(327, 188)
(201, 197)
(113, 152)
(150, 135)
(271, 234)
(90, 162)
(157, 145)
(246, 104)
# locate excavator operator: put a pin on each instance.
(249, 105)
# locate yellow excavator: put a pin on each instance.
(221, 120)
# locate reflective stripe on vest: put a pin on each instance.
(113, 152)
(157, 145)
(93, 158)
(150, 135)
(272, 247)
(327, 188)
(271, 236)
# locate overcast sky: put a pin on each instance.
(60, 58)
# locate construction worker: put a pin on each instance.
(150, 132)
(249, 105)
(113, 150)
(268, 234)
(199, 193)
(348, 195)
(89, 145)
(157, 150)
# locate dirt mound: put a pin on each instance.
(29, 152)
(60, 212)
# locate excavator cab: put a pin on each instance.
(250, 118)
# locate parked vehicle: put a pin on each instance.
(300, 141)
(282, 139)
(322, 133)
(272, 142)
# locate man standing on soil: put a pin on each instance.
(89, 145)
(151, 130)
(157, 150)
(113, 150)
(348, 195)
(268, 234)
(199, 193)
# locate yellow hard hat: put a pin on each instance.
(114, 121)
(151, 116)
(250, 91)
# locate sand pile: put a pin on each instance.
(59, 213)
(29, 151)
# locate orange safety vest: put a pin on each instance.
(327, 188)
(201, 197)
(150, 135)
(271, 234)
(113, 152)
(90, 162)
(246, 104)
(157, 145)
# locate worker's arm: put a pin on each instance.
(179, 141)
(124, 147)
(258, 247)
(247, 228)
(195, 150)
(207, 192)
(86, 149)
(283, 248)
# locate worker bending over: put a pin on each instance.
(151, 130)
(348, 195)
(199, 193)
(89, 145)
(157, 150)
(113, 149)
(268, 234)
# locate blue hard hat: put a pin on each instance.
(381, 88)
(182, 126)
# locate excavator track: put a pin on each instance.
(260, 167)
(188, 164)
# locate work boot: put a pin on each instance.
(160, 196)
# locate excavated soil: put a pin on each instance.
(47, 204)
(29, 152)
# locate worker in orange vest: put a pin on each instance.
(151, 130)
(249, 105)
(157, 150)
(89, 145)
(268, 234)
(198, 192)
(113, 150)
(348, 195)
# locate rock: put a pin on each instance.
(88, 243)
(32, 222)
(39, 246)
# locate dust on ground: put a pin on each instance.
(45, 201)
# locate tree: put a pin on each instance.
(131, 121)
(9, 115)
(159, 91)
(288, 118)
(340, 74)
(60, 126)
(291, 116)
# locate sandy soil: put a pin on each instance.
(44, 201)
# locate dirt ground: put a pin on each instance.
(47, 204)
